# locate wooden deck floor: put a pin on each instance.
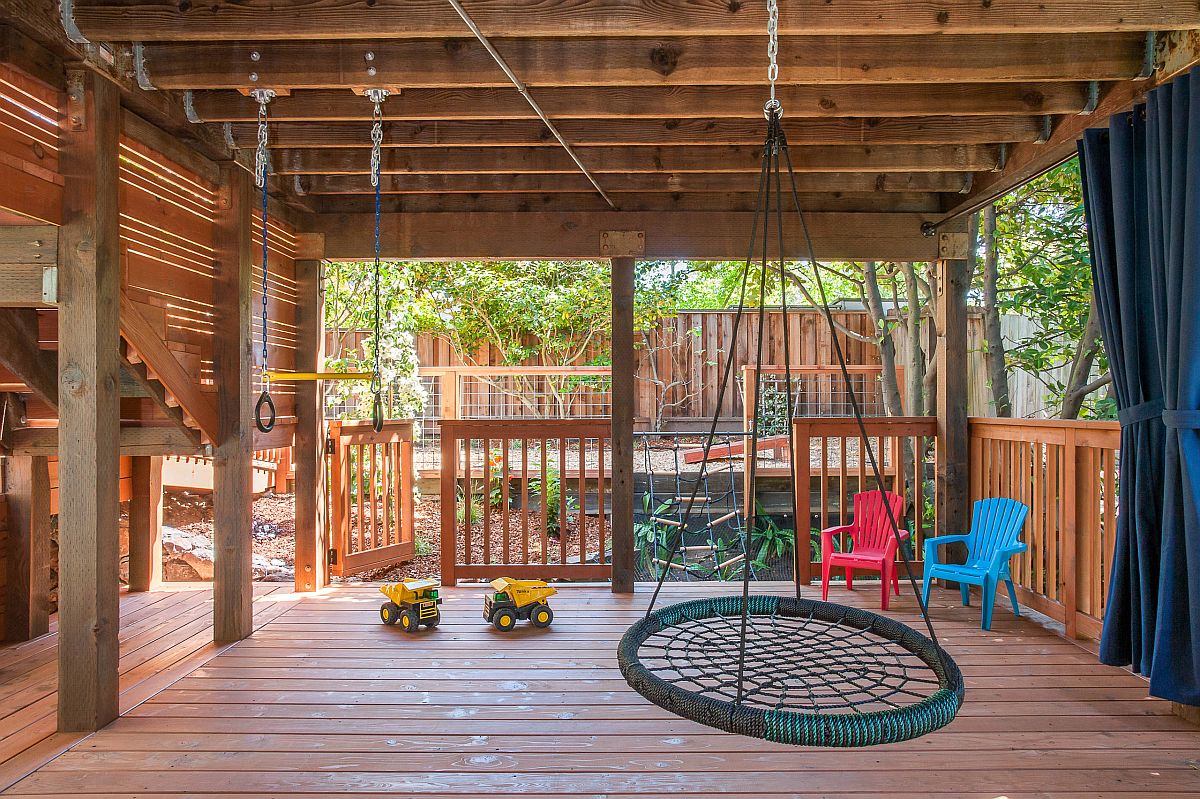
(324, 701)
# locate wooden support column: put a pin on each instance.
(27, 605)
(622, 246)
(953, 496)
(233, 493)
(89, 406)
(145, 524)
(312, 546)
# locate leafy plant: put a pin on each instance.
(768, 541)
(772, 411)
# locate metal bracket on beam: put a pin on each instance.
(622, 243)
(1093, 99)
(50, 285)
(1002, 161)
(968, 183)
(1047, 130)
(953, 246)
(139, 68)
(66, 10)
(1148, 57)
(189, 107)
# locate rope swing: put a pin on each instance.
(789, 669)
(264, 409)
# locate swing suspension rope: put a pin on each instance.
(801, 671)
(264, 409)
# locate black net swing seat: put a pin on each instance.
(789, 669)
(815, 673)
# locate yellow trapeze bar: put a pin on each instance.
(284, 377)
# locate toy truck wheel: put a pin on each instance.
(435, 620)
(504, 620)
(541, 615)
(409, 621)
(389, 612)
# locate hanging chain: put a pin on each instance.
(261, 165)
(377, 96)
(773, 106)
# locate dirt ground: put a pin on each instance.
(274, 527)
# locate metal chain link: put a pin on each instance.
(377, 96)
(261, 165)
(773, 106)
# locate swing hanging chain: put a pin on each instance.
(377, 96)
(773, 106)
(261, 165)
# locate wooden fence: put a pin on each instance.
(515, 498)
(831, 468)
(370, 495)
(1067, 473)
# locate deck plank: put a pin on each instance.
(324, 701)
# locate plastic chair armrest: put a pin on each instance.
(827, 538)
(1001, 556)
(931, 545)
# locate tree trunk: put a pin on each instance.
(993, 354)
(916, 350)
(1078, 387)
(892, 404)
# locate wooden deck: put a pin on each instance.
(324, 701)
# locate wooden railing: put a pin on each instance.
(525, 498)
(831, 469)
(371, 495)
(1066, 472)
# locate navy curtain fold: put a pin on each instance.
(1142, 199)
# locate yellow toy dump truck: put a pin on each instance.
(518, 599)
(411, 603)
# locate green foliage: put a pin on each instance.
(1045, 274)
(772, 411)
(768, 541)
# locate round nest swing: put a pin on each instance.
(789, 669)
(815, 673)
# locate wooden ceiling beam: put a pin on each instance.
(622, 160)
(676, 183)
(125, 20)
(876, 201)
(458, 63)
(661, 132)
(703, 235)
(661, 102)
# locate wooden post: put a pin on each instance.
(623, 389)
(27, 605)
(803, 492)
(312, 546)
(145, 524)
(233, 493)
(448, 384)
(449, 505)
(89, 407)
(953, 495)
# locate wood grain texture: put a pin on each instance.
(624, 392)
(953, 457)
(659, 102)
(145, 524)
(21, 354)
(232, 371)
(700, 235)
(311, 544)
(717, 61)
(316, 703)
(89, 408)
(27, 555)
(341, 19)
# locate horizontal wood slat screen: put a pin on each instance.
(831, 469)
(526, 498)
(29, 119)
(1067, 473)
(370, 495)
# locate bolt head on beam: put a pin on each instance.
(622, 243)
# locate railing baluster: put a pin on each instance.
(582, 511)
(524, 500)
(504, 472)
(562, 500)
(545, 502)
(487, 501)
(600, 487)
(468, 490)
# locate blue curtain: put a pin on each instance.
(1142, 198)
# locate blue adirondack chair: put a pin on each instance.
(994, 538)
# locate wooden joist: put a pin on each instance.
(28, 266)
(535, 234)
(135, 441)
(746, 159)
(108, 20)
(878, 201)
(660, 132)
(681, 61)
(672, 183)
(658, 102)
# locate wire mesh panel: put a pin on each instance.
(526, 496)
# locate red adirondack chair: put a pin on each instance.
(874, 544)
